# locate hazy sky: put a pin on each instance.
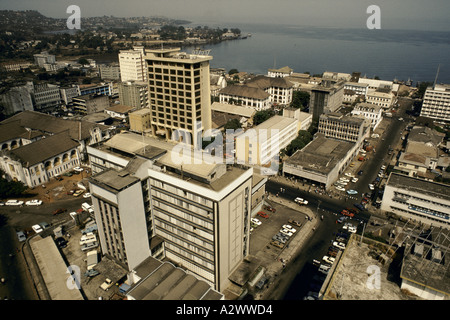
(395, 14)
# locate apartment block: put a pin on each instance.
(371, 112)
(382, 99)
(179, 93)
(436, 102)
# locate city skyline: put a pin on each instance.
(405, 14)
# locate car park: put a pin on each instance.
(301, 201)
(13, 203)
(262, 214)
(33, 203)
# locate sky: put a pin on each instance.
(394, 14)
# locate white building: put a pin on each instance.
(132, 64)
(37, 162)
(280, 73)
(200, 211)
(381, 99)
(371, 112)
(421, 200)
(354, 90)
(436, 103)
(261, 144)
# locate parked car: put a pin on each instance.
(61, 242)
(360, 172)
(58, 211)
(340, 220)
(21, 236)
(289, 227)
(328, 259)
(256, 221)
(286, 232)
(359, 206)
(276, 244)
(301, 201)
(13, 203)
(87, 195)
(263, 214)
(340, 189)
(352, 229)
(78, 169)
(59, 178)
(107, 284)
(371, 186)
(269, 208)
(352, 192)
(33, 203)
(339, 245)
(78, 192)
(295, 222)
(37, 228)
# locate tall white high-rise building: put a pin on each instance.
(436, 102)
(132, 64)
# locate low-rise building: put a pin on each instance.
(140, 120)
(321, 161)
(36, 163)
(417, 199)
(338, 126)
(371, 112)
(90, 103)
(382, 99)
(222, 112)
(119, 111)
(262, 144)
(280, 73)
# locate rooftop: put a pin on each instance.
(434, 189)
(233, 109)
(163, 281)
(321, 155)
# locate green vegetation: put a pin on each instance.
(232, 124)
(303, 138)
(300, 99)
(262, 116)
(10, 189)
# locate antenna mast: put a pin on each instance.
(437, 73)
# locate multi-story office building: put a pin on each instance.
(110, 71)
(200, 211)
(90, 103)
(179, 94)
(326, 97)
(134, 93)
(354, 90)
(69, 92)
(436, 102)
(347, 128)
(382, 99)
(132, 65)
(418, 199)
(46, 97)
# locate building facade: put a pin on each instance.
(436, 103)
(132, 64)
(179, 94)
(418, 199)
(134, 93)
(371, 112)
(326, 98)
(347, 128)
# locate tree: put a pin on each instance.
(262, 116)
(232, 124)
(83, 61)
(10, 189)
(300, 99)
(303, 138)
(233, 71)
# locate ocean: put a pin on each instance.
(387, 54)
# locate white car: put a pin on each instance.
(33, 203)
(352, 229)
(371, 187)
(354, 180)
(256, 221)
(78, 169)
(301, 201)
(13, 203)
(290, 228)
(328, 259)
(87, 195)
(348, 174)
(286, 232)
(339, 245)
(344, 179)
(37, 228)
(340, 189)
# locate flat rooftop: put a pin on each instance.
(433, 189)
(321, 155)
